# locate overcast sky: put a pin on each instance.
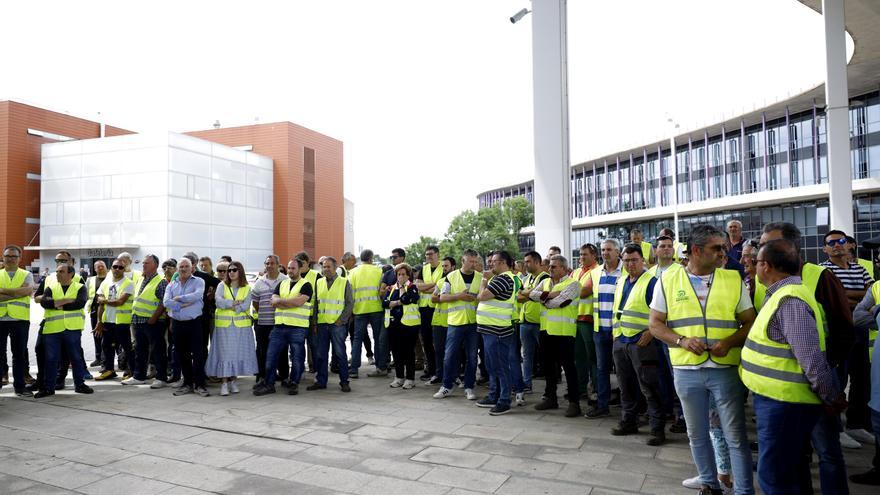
(435, 95)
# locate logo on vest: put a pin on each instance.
(681, 295)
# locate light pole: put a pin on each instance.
(672, 132)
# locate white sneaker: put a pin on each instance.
(177, 384)
(233, 386)
(469, 393)
(861, 436)
(442, 393)
(848, 442)
(224, 389)
(408, 384)
(692, 483)
(726, 490)
(158, 384)
(520, 398)
(133, 381)
(397, 383)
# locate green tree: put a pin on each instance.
(415, 252)
(518, 213)
(485, 230)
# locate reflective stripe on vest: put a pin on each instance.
(687, 318)
(646, 250)
(58, 320)
(560, 321)
(225, 317)
(20, 307)
(810, 274)
(770, 368)
(145, 300)
(429, 276)
(462, 312)
(531, 310)
(293, 317)
(410, 317)
(498, 313)
(633, 319)
(365, 280)
(441, 310)
(585, 305)
(331, 302)
(122, 314)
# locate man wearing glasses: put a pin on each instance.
(854, 277)
(114, 300)
(148, 315)
(263, 289)
(16, 287)
(426, 281)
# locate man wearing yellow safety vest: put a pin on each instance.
(558, 294)
(439, 321)
(636, 356)
(311, 276)
(293, 310)
(367, 288)
(114, 301)
(530, 319)
(636, 237)
(585, 347)
(460, 291)
(784, 366)
(147, 319)
(495, 313)
(63, 299)
(704, 314)
(335, 302)
(16, 287)
(426, 281)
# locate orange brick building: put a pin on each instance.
(308, 178)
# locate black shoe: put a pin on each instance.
(285, 383)
(658, 438)
(353, 376)
(615, 398)
(679, 426)
(256, 385)
(426, 377)
(96, 362)
(596, 413)
(59, 385)
(315, 386)
(43, 393)
(293, 389)
(24, 393)
(436, 380)
(345, 387)
(33, 387)
(84, 389)
(624, 429)
(546, 404)
(334, 370)
(871, 477)
(264, 389)
(482, 380)
(485, 402)
(499, 410)
(573, 411)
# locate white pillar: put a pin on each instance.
(837, 118)
(550, 73)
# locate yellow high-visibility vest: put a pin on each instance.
(122, 312)
(429, 276)
(633, 318)
(224, 318)
(462, 312)
(59, 320)
(331, 302)
(498, 313)
(293, 317)
(20, 307)
(559, 321)
(365, 280)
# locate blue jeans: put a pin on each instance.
(604, 342)
(694, 387)
(783, 435)
(279, 339)
(327, 334)
(514, 351)
(875, 423)
(528, 333)
(497, 352)
(456, 336)
(826, 442)
(671, 404)
(439, 337)
(380, 338)
(68, 340)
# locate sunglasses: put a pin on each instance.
(839, 242)
(118, 267)
(221, 271)
(233, 270)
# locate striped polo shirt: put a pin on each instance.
(605, 296)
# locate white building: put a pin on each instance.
(162, 194)
(348, 226)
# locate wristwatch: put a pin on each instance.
(678, 341)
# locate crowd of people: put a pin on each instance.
(690, 331)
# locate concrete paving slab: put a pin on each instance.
(451, 457)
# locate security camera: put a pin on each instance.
(519, 15)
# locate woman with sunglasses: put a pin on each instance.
(232, 352)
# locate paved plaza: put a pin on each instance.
(375, 440)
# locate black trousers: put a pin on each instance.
(189, 348)
(99, 349)
(116, 335)
(426, 335)
(283, 367)
(403, 347)
(558, 351)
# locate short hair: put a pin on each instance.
(668, 232)
(275, 258)
(614, 242)
(850, 239)
(367, 255)
(398, 252)
(633, 248)
(664, 238)
(560, 259)
(185, 259)
(737, 222)
(348, 255)
(405, 267)
(125, 255)
(431, 247)
(702, 234)
(225, 258)
(834, 232)
(451, 260)
(169, 262)
(13, 246)
(555, 248)
(70, 256)
(297, 261)
(209, 260)
(193, 257)
(152, 257)
(591, 248)
(782, 255)
(302, 256)
(635, 231)
(504, 255)
(470, 253)
(331, 259)
(788, 230)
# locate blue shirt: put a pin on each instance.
(191, 302)
(627, 288)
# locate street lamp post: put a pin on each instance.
(674, 126)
